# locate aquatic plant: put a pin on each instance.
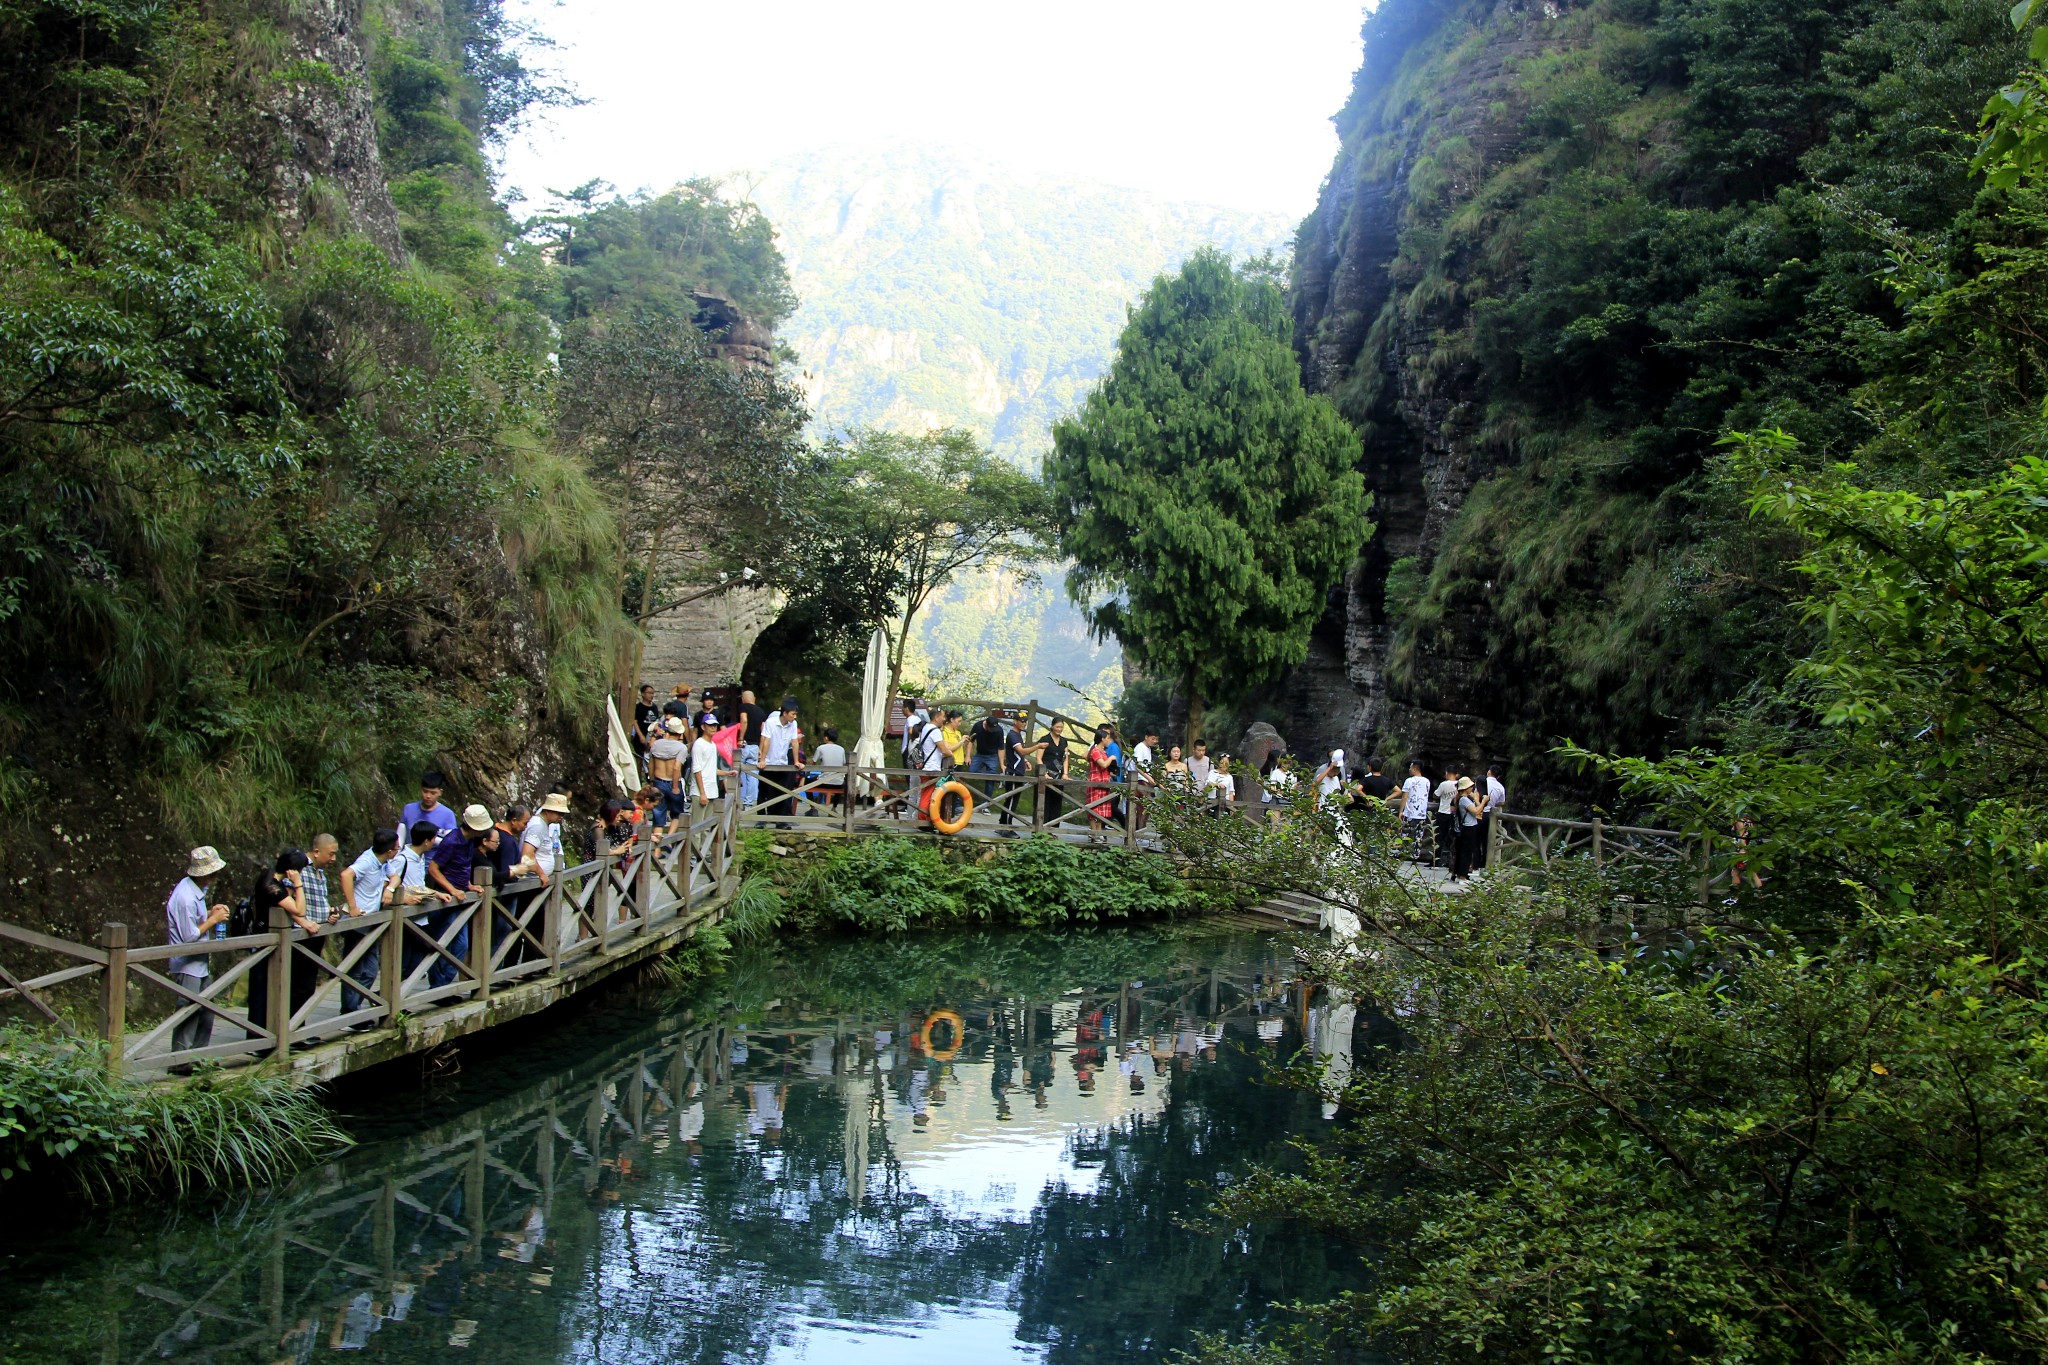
(67, 1126)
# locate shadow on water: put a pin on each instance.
(885, 1149)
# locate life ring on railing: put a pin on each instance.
(951, 791)
(950, 1019)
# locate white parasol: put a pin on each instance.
(620, 750)
(871, 752)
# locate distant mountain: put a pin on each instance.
(937, 290)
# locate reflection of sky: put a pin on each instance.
(700, 1191)
(980, 1159)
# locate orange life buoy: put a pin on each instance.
(938, 806)
(953, 1021)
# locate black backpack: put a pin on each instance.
(242, 920)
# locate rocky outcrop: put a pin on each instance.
(1371, 338)
(326, 166)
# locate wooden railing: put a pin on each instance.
(1522, 839)
(285, 989)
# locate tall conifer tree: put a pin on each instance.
(1208, 501)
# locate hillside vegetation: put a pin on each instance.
(284, 518)
(1566, 248)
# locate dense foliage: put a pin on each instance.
(279, 485)
(1809, 1129)
(1208, 502)
(67, 1128)
(1619, 229)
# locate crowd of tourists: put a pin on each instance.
(690, 756)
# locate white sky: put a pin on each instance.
(1222, 103)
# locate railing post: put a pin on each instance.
(1599, 840)
(1038, 802)
(604, 900)
(551, 922)
(1131, 815)
(643, 876)
(391, 962)
(114, 995)
(1493, 841)
(846, 801)
(480, 931)
(279, 986)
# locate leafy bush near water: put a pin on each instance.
(902, 883)
(65, 1124)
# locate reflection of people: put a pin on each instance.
(764, 1110)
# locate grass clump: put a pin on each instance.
(69, 1128)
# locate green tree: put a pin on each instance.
(1208, 502)
(885, 520)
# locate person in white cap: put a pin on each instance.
(189, 919)
(540, 847)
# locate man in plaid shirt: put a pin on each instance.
(313, 880)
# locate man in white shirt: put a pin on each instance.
(704, 776)
(1447, 816)
(781, 752)
(1200, 766)
(1415, 811)
(1220, 788)
(1496, 799)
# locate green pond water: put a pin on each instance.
(969, 1147)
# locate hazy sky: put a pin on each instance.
(1225, 103)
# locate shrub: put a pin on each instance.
(65, 1123)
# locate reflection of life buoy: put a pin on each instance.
(951, 791)
(952, 1021)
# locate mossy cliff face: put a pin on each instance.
(1562, 250)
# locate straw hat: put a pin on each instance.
(476, 818)
(556, 804)
(204, 862)
(1464, 784)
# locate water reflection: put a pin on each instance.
(890, 1150)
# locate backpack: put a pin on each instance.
(242, 920)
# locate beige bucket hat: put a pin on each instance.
(476, 818)
(204, 862)
(556, 804)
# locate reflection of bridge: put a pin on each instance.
(397, 984)
(454, 1230)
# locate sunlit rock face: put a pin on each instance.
(1382, 347)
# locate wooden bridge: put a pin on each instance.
(531, 945)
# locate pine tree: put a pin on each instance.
(1208, 501)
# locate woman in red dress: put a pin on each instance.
(1101, 772)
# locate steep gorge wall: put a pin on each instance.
(1563, 249)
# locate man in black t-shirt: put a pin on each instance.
(1013, 763)
(1375, 785)
(985, 756)
(646, 720)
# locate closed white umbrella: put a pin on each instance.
(871, 751)
(620, 749)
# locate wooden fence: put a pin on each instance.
(372, 987)
(489, 956)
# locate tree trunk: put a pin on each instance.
(1193, 690)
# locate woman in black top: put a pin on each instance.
(1051, 754)
(278, 888)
